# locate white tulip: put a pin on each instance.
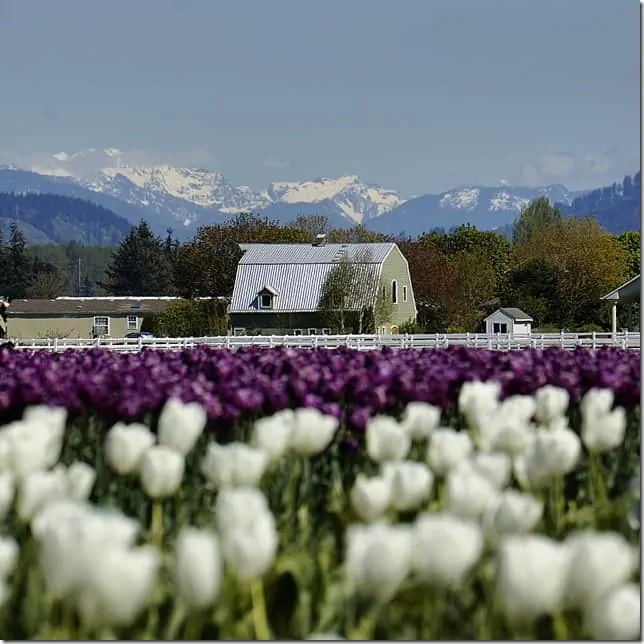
(250, 550)
(312, 431)
(9, 552)
(550, 454)
(238, 507)
(370, 497)
(161, 471)
(273, 434)
(39, 488)
(181, 424)
(50, 417)
(234, 465)
(495, 466)
(468, 494)
(552, 404)
(411, 484)
(531, 576)
(599, 561)
(604, 432)
(444, 549)
(117, 586)
(420, 419)
(80, 481)
(477, 400)
(30, 446)
(447, 449)
(514, 512)
(596, 402)
(72, 536)
(7, 493)
(377, 559)
(197, 567)
(386, 440)
(616, 615)
(124, 446)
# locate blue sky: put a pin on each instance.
(415, 95)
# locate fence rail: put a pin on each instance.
(499, 342)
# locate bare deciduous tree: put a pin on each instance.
(350, 293)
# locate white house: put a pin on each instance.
(510, 320)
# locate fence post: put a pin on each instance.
(594, 340)
(562, 339)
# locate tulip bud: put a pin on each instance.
(181, 424)
(312, 431)
(197, 567)
(370, 497)
(386, 440)
(125, 445)
(161, 471)
(447, 449)
(234, 465)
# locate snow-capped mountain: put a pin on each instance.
(188, 193)
(486, 207)
(184, 198)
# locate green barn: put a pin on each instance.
(284, 289)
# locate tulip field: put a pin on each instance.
(288, 494)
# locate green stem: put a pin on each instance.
(559, 627)
(597, 483)
(157, 523)
(260, 621)
(194, 627)
(367, 626)
(556, 505)
(177, 617)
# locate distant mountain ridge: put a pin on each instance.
(185, 198)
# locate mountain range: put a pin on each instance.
(185, 198)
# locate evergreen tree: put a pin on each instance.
(140, 265)
(19, 263)
(535, 217)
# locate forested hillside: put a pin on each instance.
(46, 218)
(616, 208)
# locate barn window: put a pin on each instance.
(265, 301)
(404, 293)
(394, 291)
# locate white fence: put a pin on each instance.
(624, 339)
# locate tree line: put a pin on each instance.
(554, 267)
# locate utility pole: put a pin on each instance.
(79, 276)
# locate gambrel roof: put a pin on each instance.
(297, 272)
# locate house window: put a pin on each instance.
(500, 327)
(101, 325)
(132, 322)
(394, 291)
(404, 293)
(265, 301)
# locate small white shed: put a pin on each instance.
(510, 320)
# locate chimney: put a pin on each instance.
(320, 240)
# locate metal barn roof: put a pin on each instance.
(313, 254)
(297, 272)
